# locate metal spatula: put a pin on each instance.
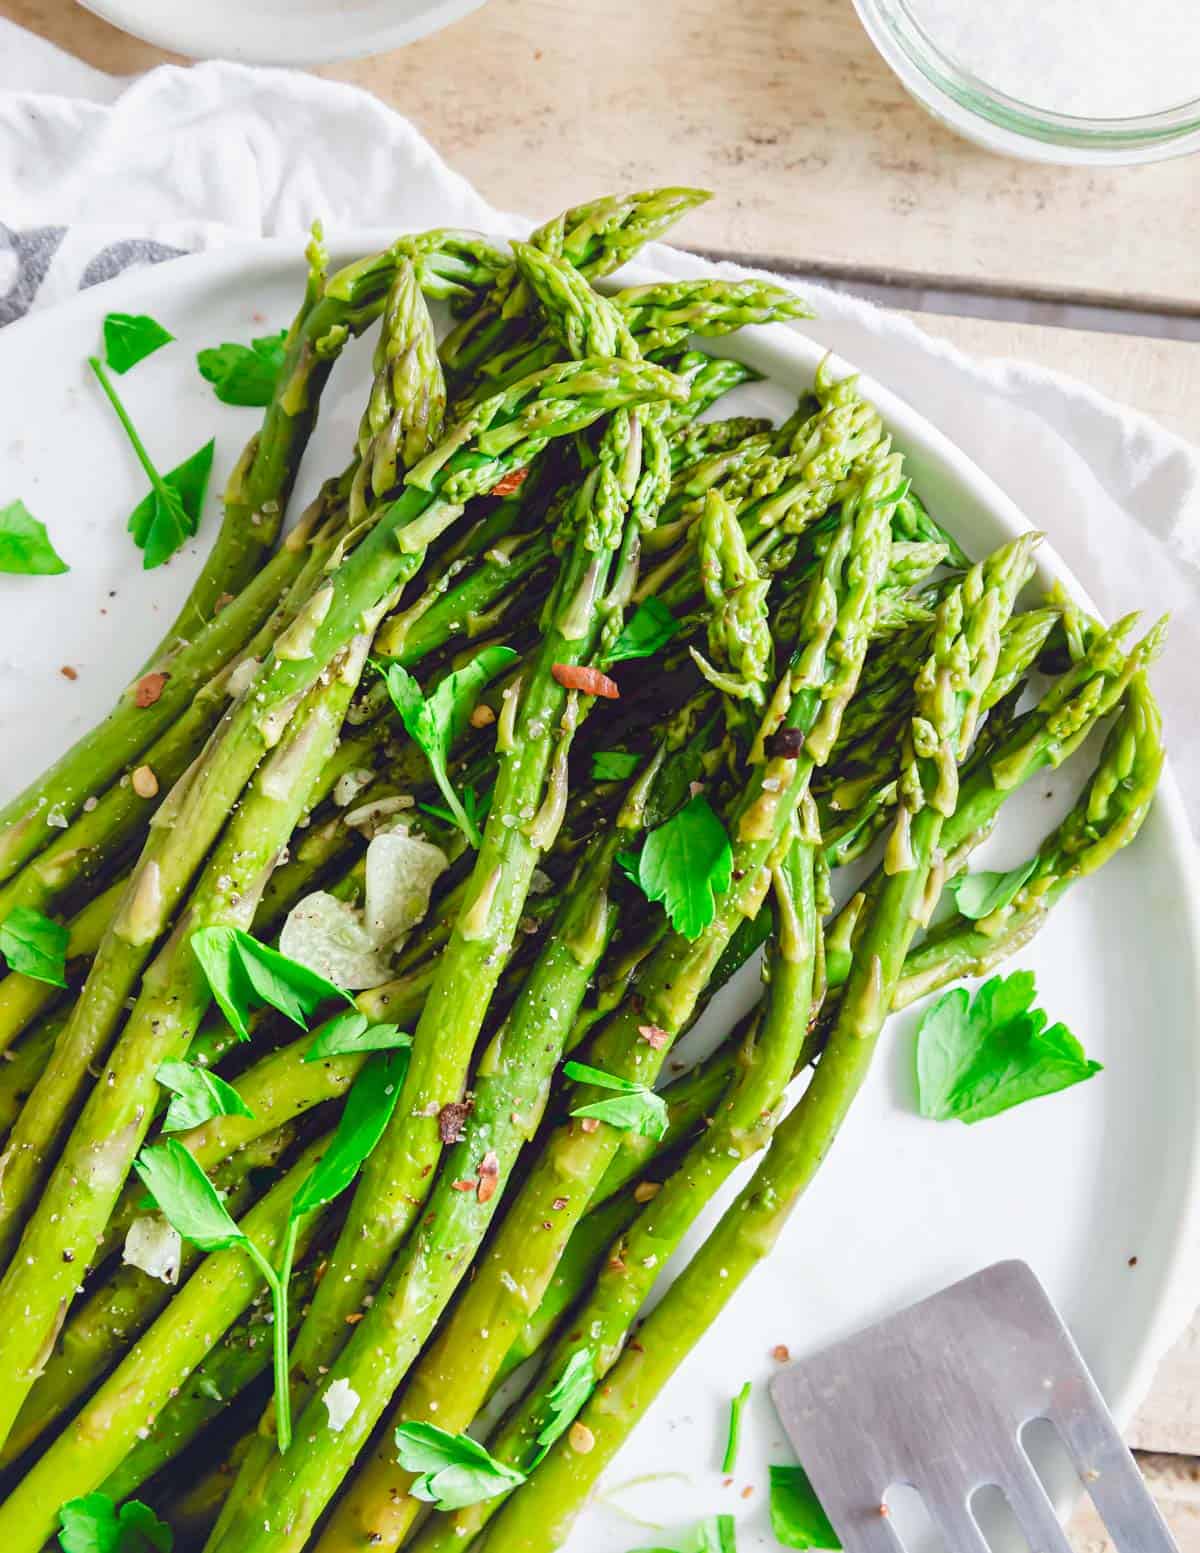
(936, 1397)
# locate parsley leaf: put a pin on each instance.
(25, 548)
(130, 338)
(651, 627)
(240, 971)
(566, 1397)
(35, 946)
(714, 1534)
(434, 722)
(354, 1032)
(978, 895)
(733, 1438)
(634, 1107)
(244, 374)
(455, 1470)
(93, 1524)
(199, 1096)
(613, 765)
(368, 1110)
(797, 1518)
(976, 1058)
(169, 514)
(686, 863)
(186, 1197)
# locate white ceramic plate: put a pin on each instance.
(280, 32)
(1078, 1184)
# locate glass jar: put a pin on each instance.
(1077, 81)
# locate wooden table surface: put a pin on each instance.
(821, 164)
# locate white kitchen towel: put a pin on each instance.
(98, 174)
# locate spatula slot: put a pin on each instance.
(911, 1522)
(995, 1519)
(1049, 1457)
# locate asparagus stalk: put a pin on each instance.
(217, 1381)
(595, 239)
(527, 810)
(116, 1313)
(83, 852)
(665, 313)
(950, 687)
(175, 994)
(257, 492)
(79, 1196)
(741, 1127)
(1040, 739)
(277, 1500)
(1106, 817)
(346, 304)
(508, 431)
(108, 1426)
(457, 1371)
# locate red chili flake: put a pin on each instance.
(787, 744)
(220, 602)
(149, 688)
(635, 1347)
(507, 484)
(452, 1119)
(748, 1490)
(590, 1123)
(654, 1035)
(726, 1482)
(579, 676)
(68, 672)
(354, 1318)
(462, 1186)
(782, 1352)
(489, 1176)
(616, 1265)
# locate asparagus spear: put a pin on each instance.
(103, 1432)
(527, 810)
(950, 687)
(708, 437)
(283, 1496)
(664, 313)
(1106, 817)
(742, 1125)
(83, 853)
(175, 994)
(116, 1313)
(1041, 738)
(257, 491)
(508, 432)
(595, 238)
(450, 1382)
(347, 303)
(58, 1240)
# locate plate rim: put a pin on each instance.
(196, 40)
(1169, 1310)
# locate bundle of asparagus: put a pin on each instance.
(533, 851)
